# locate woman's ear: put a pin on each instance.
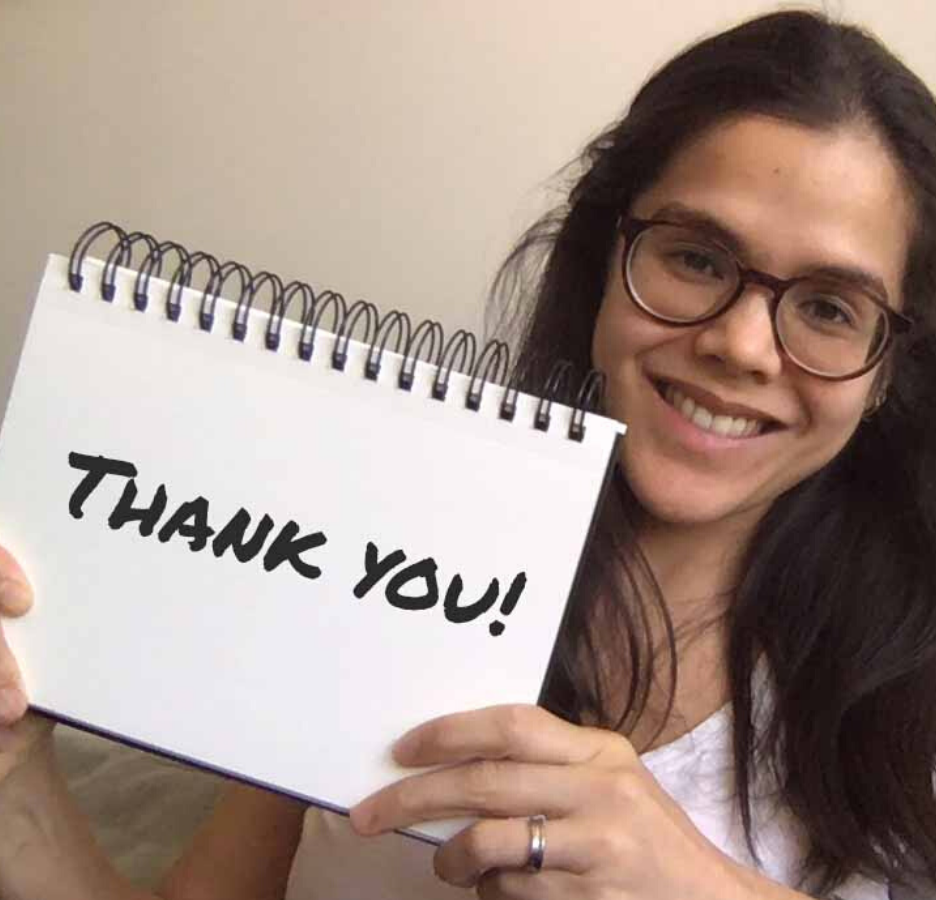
(878, 393)
(874, 404)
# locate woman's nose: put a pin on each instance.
(743, 337)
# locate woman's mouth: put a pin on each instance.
(706, 420)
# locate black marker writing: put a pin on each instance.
(425, 576)
(510, 601)
(96, 467)
(413, 586)
(376, 568)
(287, 547)
(233, 536)
(458, 614)
(424, 570)
(190, 520)
(147, 516)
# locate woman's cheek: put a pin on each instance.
(832, 411)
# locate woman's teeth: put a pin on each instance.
(726, 426)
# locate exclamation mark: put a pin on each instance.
(510, 601)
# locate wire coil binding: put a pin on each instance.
(489, 365)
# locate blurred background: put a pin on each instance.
(389, 149)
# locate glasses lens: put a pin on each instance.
(679, 275)
(831, 329)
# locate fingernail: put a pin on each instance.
(405, 746)
(15, 596)
(357, 817)
(360, 818)
(12, 704)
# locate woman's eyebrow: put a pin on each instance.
(858, 277)
(703, 221)
(706, 222)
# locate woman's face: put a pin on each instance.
(795, 199)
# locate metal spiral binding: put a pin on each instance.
(460, 352)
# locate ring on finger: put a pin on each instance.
(537, 851)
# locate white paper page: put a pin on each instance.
(281, 679)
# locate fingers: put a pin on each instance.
(15, 600)
(513, 759)
(518, 732)
(16, 596)
(480, 788)
(13, 701)
(505, 844)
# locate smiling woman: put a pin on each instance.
(741, 701)
(799, 203)
(750, 255)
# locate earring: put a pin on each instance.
(875, 405)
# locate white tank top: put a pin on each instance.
(333, 863)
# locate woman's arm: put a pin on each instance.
(48, 852)
(244, 851)
(47, 849)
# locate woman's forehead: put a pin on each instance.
(796, 195)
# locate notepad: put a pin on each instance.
(267, 547)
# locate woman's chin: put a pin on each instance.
(680, 509)
(687, 501)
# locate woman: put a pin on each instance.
(750, 256)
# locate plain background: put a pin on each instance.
(390, 149)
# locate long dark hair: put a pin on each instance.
(838, 587)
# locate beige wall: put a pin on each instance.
(388, 149)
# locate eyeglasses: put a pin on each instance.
(679, 275)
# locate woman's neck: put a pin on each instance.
(696, 564)
(696, 567)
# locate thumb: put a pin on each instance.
(16, 596)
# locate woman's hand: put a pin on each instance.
(19, 732)
(611, 830)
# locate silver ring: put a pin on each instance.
(537, 825)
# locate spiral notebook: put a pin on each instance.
(267, 543)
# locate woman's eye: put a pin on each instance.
(699, 262)
(827, 311)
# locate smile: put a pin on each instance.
(707, 420)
